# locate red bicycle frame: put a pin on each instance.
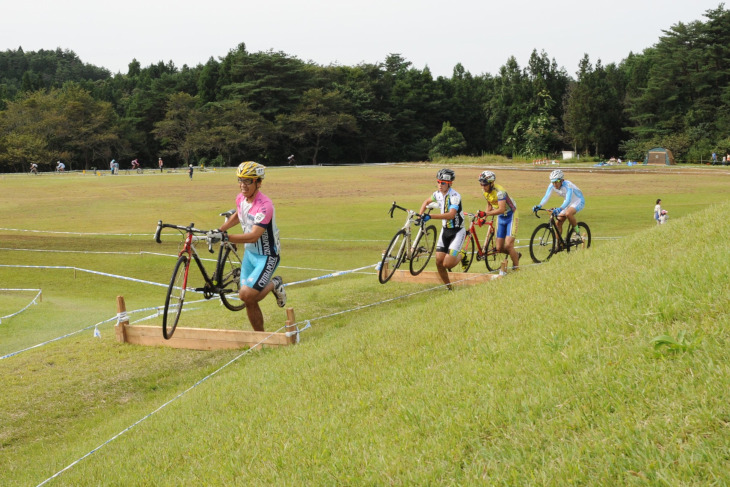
(488, 251)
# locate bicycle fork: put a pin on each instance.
(184, 286)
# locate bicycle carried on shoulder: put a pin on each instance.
(546, 241)
(224, 282)
(401, 249)
(488, 252)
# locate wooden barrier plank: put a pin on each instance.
(200, 338)
(204, 338)
(432, 277)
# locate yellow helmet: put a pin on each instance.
(250, 169)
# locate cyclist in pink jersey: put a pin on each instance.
(255, 213)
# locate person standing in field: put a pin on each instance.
(255, 212)
(658, 212)
(501, 204)
(453, 232)
(159, 163)
(190, 171)
(573, 200)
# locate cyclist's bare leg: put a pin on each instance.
(570, 213)
(559, 224)
(445, 262)
(507, 246)
(252, 297)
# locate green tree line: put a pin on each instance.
(267, 105)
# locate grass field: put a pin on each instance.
(549, 376)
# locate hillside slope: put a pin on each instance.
(549, 376)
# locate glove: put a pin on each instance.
(425, 218)
(556, 212)
(536, 207)
(215, 236)
(481, 214)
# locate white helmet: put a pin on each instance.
(556, 175)
(487, 177)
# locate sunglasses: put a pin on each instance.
(443, 182)
(246, 182)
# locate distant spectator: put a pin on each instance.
(658, 212)
(60, 166)
(714, 158)
(159, 163)
(111, 166)
(190, 171)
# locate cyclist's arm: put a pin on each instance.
(449, 215)
(547, 196)
(424, 204)
(248, 237)
(498, 210)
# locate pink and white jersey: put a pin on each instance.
(260, 212)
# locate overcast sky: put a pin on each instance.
(479, 34)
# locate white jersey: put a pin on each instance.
(446, 202)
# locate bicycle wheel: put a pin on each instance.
(423, 249)
(469, 248)
(229, 281)
(579, 237)
(393, 257)
(175, 298)
(542, 243)
(492, 257)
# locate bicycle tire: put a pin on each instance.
(542, 243)
(491, 257)
(230, 279)
(469, 248)
(393, 257)
(423, 250)
(175, 297)
(576, 239)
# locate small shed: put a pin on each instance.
(568, 154)
(659, 156)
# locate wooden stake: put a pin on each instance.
(290, 323)
(119, 328)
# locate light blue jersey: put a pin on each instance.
(571, 194)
